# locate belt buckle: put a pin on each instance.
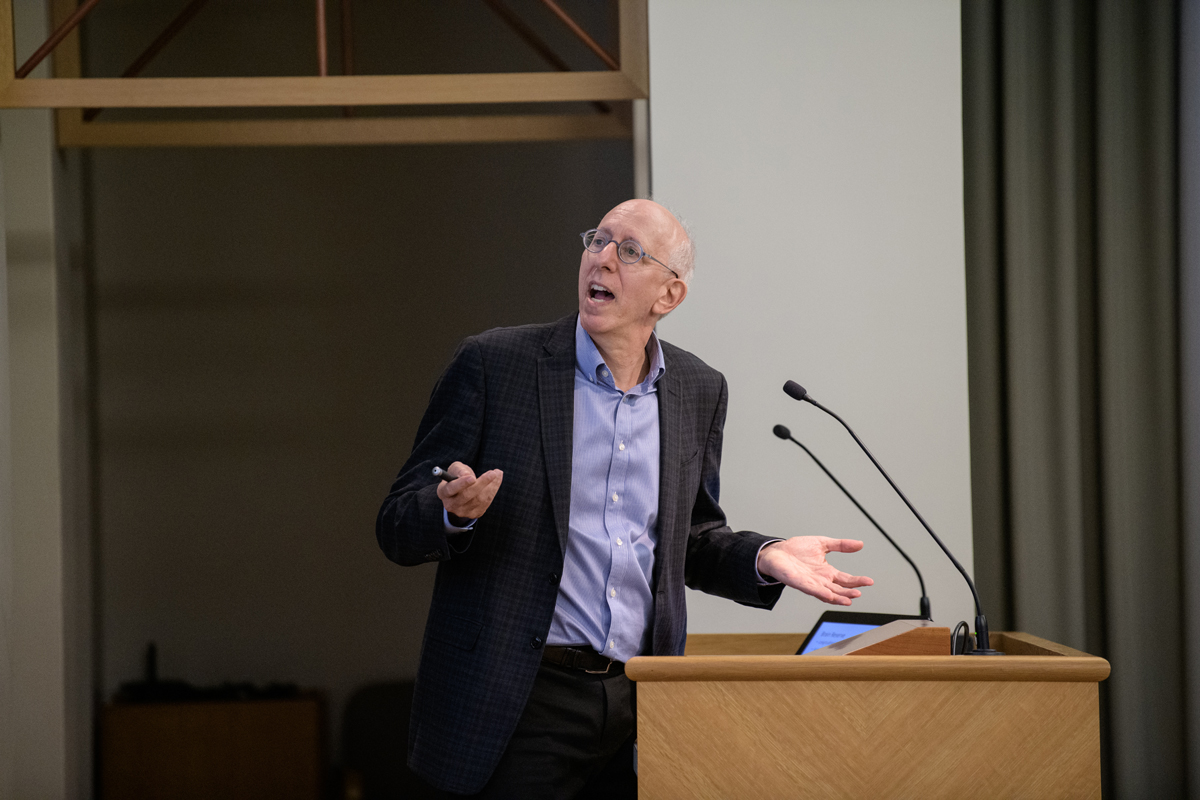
(600, 671)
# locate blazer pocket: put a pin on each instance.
(457, 631)
(687, 477)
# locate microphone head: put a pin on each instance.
(782, 432)
(795, 390)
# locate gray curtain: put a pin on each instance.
(1072, 220)
(1189, 295)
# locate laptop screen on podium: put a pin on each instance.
(834, 626)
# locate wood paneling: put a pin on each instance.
(917, 642)
(1020, 725)
(876, 668)
(852, 739)
(1025, 644)
(255, 750)
(744, 644)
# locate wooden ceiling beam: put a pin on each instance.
(333, 90)
(634, 25)
(340, 131)
(70, 93)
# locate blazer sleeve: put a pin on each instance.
(722, 561)
(410, 527)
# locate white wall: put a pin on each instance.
(816, 150)
(45, 587)
(1189, 345)
(37, 612)
(8, 734)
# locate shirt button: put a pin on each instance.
(612, 592)
(615, 498)
(612, 643)
(536, 642)
(621, 446)
(604, 372)
(619, 542)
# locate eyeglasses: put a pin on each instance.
(629, 251)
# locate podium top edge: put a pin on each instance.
(1068, 669)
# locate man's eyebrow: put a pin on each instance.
(609, 234)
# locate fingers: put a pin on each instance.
(835, 595)
(819, 587)
(461, 471)
(800, 563)
(469, 496)
(851, 581)
(485, 488)
(466, 477)
(832, 598)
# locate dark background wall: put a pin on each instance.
(268, 325)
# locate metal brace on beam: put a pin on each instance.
(169, 33)
(530, 37)
(581, 34)
(59, 34)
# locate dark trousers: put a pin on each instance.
(574, 740)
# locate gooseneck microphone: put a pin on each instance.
(783, 433)
(798, 392)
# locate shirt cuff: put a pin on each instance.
(451, 527)
(761, 580)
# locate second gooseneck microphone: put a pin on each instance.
(798, 392)
(926, 613)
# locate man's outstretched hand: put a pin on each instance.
(467, 496)
(800, 563)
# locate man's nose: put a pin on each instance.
(607, 261)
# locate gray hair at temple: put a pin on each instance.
(682, 258)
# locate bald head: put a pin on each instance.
(669, 235)
(621, 301)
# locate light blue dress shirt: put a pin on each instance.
(606, 595)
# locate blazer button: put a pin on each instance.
(536, 642)
(553, 578)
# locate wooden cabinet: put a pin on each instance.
(259, 749)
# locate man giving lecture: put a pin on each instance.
(587, 454)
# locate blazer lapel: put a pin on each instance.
(669, 423)
(556, 398)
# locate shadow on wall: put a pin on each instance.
(268, 327)
(268, 324)
(375, 745)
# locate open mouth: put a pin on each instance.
(599, 293)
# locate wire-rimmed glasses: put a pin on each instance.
(629, 251)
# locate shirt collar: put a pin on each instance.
(589, 361)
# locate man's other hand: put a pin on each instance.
(800, 563)
(468, 496)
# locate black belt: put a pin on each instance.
(583, 657)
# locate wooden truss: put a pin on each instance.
(79, 99)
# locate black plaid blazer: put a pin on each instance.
(507, 401)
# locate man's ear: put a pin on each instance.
(672, 294)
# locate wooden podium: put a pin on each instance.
(739, 716)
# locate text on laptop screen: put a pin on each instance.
(829, 632)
